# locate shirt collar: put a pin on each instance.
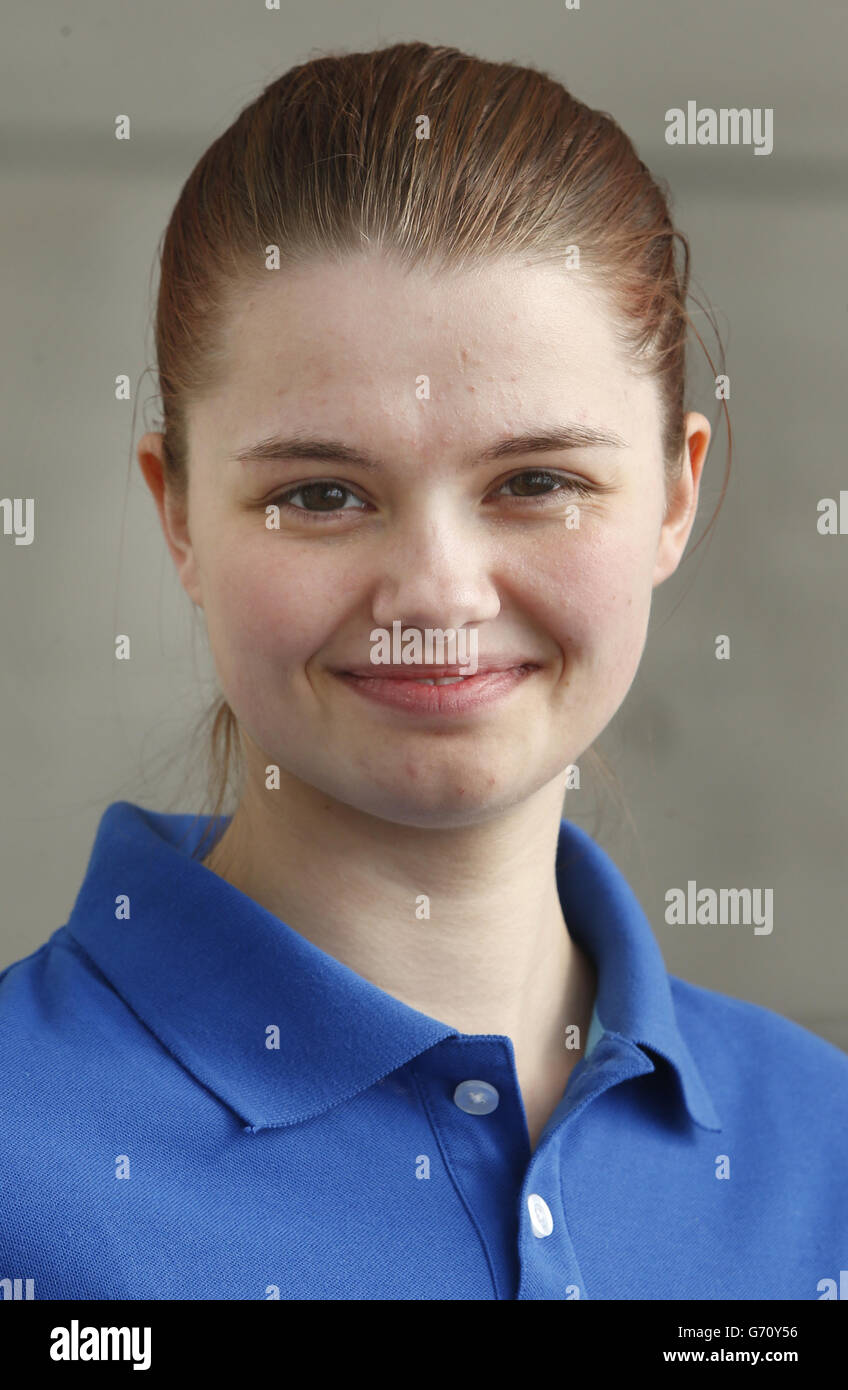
(208, 971)
(634, 999)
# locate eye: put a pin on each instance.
(321, 498)
(537, 485)
(327, 499)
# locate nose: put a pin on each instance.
(434, 573)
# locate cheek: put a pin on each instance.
(264, 616)
(596, 597)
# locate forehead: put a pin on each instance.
(425, 355)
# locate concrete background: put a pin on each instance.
(733, 773)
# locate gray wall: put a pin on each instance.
(734, 772)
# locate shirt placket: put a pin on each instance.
(549, 1265)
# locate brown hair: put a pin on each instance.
(326, 162)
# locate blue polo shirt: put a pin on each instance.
(198, 1103)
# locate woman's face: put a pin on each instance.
(422, 375)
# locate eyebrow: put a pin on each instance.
(278, 447)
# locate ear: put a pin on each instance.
(682, 502)
(173, 514)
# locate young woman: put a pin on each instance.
(394, 1029)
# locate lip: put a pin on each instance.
(396, 688)
(386, 671)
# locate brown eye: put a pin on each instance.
(530, 484)
(324, 497)
(537, 483)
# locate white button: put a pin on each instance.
(476, 1097)
(540, 1215)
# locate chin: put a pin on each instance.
(443, 817)
(436, 808)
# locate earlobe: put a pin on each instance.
(173, 513)
(669, 554)
(682, 504)
(677, 523)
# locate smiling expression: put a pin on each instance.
(404, 495)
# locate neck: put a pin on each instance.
(462, 924)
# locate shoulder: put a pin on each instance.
(60, 1019)
(755, 1061)
(42, 989)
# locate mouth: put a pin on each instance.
(439, 680)
(441, 690)
(385, 671)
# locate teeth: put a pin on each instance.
(443, 680)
